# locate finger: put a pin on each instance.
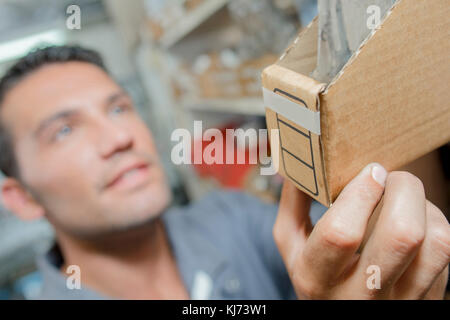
(426, 270)
(293, 223)
(371, 224)
(438, 289)
(336, 237)
(398, 234)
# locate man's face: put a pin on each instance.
(83, 151)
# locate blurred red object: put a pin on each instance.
(228, 175)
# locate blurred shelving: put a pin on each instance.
(204, 60)
(244, 105)
(190, 21)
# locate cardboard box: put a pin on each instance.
(389, 103)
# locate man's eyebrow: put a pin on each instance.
(57, 116)
(116, 96)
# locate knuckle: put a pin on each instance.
(406, 236)
(407, 179)
(435, 211)
(307, 287)
(440, 239)
(362, 192)
(439, 229)
(336, 234)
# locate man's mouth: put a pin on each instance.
(129, 177)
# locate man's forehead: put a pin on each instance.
(54, 87)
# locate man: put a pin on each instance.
(75, 151)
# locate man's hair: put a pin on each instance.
(25, 66)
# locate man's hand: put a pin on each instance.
(409, 244)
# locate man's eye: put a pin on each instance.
(63, 132)
(118, 109)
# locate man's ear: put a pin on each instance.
(19, 201)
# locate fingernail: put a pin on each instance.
(379, 174)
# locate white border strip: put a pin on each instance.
(308, 119)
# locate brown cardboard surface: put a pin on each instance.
(390, 102)
(299, 149)
(398, 108)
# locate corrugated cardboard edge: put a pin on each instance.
(306, 172)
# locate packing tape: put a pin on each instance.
(300, 114)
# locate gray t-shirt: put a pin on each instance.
(223, 246)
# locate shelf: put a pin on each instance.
(190, 21)
(247, 106)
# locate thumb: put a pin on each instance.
(349, 215)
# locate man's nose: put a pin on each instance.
(114, 139)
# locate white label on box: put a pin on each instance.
(300, 114)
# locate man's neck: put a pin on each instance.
(135, 265)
